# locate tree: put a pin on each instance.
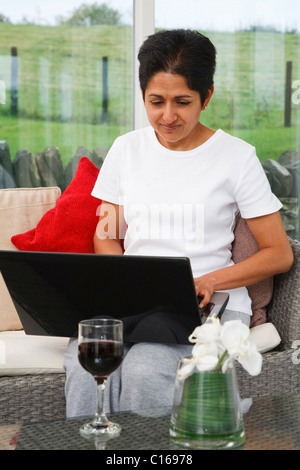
(4, 19)
(94, 14)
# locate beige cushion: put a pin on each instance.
(9, 435)
(20, 210)
(265, 337)
(22, 354)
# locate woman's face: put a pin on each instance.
(173, 111)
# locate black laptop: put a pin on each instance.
(52, 292)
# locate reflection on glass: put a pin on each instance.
(257, 81)
(73, 79)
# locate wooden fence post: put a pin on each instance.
(104, 89)
(14, 81)
(288, 95)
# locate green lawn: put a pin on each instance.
(270, 142)
(36, 135)
(60, 87)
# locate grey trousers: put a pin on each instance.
(145, 379)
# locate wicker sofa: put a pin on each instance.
(280, 373)
(35, 390)
(31, 370)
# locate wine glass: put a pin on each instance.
(100, 352)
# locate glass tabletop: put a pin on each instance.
(271, 423)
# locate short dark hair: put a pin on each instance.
(182, 52)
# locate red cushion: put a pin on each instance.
(70, 226)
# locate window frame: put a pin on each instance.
(143, 26)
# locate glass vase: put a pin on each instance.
(207, 410)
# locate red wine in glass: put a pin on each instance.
(100, 352)
(100, 358)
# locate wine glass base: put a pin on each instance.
(94, 430)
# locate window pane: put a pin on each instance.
(65, 81)
(257, 80)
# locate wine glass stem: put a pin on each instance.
(100, 416)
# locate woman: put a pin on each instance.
(175, 188)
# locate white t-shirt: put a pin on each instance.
(184, 203)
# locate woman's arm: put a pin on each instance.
(274, 256)
(110, 230)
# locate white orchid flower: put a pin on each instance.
(235, 337)
(206, 333)
(186, 370)
(234, 333)
(207, 349)
(216, 346)
(251, 360)
(204, 363)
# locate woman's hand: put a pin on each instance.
(204, 286)
(274, 256)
